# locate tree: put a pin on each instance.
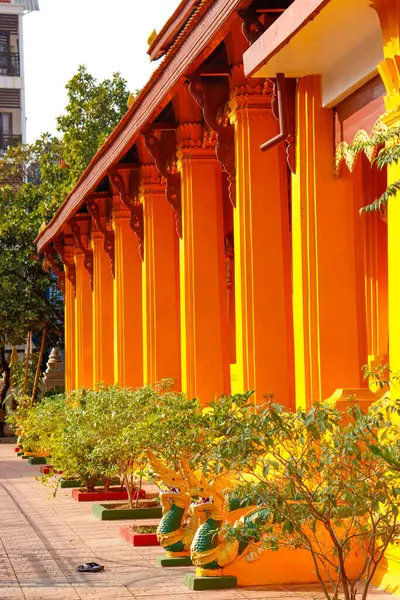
(389, 154)
(36, 179)
(92, 112)
(326, 485)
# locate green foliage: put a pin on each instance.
(43, 424)
(318, 471)
(328, 482)
(387, 156)
(93, 110)
(18, 371)
(36, 179)
(117, 417)
(176, 418)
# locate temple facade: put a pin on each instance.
(216, 237)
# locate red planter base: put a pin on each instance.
(46, 469)
(112, 495)
(138, 539)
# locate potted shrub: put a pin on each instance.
(312, 472)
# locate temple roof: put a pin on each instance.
(169, 32)
(200, 35)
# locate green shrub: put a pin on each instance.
(317, 470)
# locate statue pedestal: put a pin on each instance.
(178, 561)
(194, 582)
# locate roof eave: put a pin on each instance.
(163, 40)
(191, 47)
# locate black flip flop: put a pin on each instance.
(90, 567)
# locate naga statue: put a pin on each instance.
(212, 551)
(178, 524)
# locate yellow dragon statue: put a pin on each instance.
(178, 524)
(211, 551)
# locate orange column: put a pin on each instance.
(329, 309)
(103, 316)
(128, 325)
(69, 311)
(83, 324)
(160, 283)
(264, 346)
(369, 183)
(205, 344)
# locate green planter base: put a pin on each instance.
(179, 561)
(109, 514)
(37, 460)
(75, 483)
(20, 453)
(193, 582)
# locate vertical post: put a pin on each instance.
(103, 315)
(389, 15)
(66, 250)
(264, 344)
(329, 314)
(205, 344)
(83, 349)
(128, 323)
(160, 283)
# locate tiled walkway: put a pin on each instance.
(42, 540)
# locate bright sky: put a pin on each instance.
(104, 35)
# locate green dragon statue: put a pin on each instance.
(211, 550)
(179, 521)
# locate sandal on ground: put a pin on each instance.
(90, 567)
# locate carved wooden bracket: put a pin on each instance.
(50, 255)
(173, 188)
(284, 110)
(252, 28)
(107, 232)
(128, 193)
(212, 99)
(87, 251)
(68, 264)
(229, 257)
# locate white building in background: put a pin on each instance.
(12, 83)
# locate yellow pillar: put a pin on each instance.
(264, 346)
(128, 325)
(329, 313)
(160, 283)
(103, 316)
(204, 335)
(389, 15)
(69, 311)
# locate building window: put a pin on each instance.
(9, 60)
(7, 138)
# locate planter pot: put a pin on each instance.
(138, 539)
(37, 460)
(46, 469)
(41, 454)
(103, 512)
(112, 495)
(76, 483)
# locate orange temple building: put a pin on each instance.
(190, 253)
